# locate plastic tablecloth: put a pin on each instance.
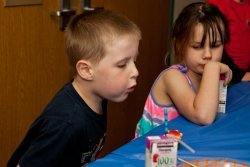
(227, 138)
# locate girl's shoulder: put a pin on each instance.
(174, 69)
(172, 73)
(179, 67)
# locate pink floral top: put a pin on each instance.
(153, 114)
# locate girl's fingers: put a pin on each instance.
(228, 77)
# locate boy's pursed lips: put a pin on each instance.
(131, 89)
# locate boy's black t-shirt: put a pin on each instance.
(67, 134)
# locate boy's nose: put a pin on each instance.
(135, 72)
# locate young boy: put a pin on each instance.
(102, 47)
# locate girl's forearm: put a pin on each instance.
(207, 98)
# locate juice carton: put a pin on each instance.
(161, 151)
(222, 96)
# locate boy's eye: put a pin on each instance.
(122, 65)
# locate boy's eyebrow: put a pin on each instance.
(129, 57)
(124, 59)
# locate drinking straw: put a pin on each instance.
(166, 131)
(166, 120)
(182, 143)
(186, 162)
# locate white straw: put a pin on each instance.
(182, 143)
(186, 162)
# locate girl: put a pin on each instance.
(190, 87)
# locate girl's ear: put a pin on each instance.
(84, 69)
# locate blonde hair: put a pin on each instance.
(88, 34)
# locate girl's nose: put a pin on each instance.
(207, 53)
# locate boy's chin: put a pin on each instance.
(119, 99)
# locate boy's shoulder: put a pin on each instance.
(68, 106)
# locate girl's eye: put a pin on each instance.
(196, 46)
(216, 46)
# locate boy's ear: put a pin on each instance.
(84, 69)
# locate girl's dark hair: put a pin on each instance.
(212, 20)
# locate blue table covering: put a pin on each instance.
(227, 138)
